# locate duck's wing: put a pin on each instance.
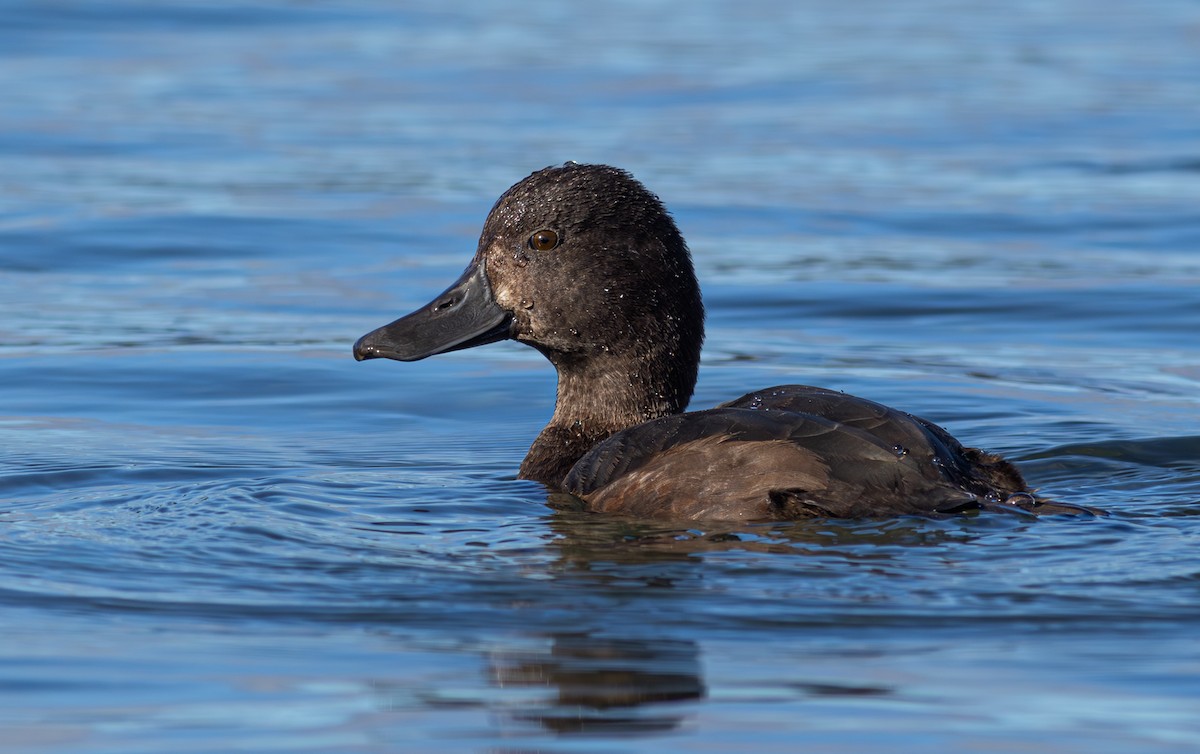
(739, 464)
(799, 452)
(996, 483)
(923, 441)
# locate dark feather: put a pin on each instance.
(793, 452)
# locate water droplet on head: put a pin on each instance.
(900, 451)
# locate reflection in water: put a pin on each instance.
(583, 538)
(603, 685)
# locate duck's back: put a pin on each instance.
(793, 451)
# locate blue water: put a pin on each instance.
(218, 533)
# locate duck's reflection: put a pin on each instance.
(602, 685)
(588, 681)
(583, 538)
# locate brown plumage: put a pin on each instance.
(585, 265)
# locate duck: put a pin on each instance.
(585, 265)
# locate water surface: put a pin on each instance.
(218, 533)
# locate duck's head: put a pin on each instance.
(584, 264)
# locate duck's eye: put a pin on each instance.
(543, 240)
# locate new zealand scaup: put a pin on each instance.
(584, 264)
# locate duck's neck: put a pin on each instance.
(598, 397)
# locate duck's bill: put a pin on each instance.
(463, 316)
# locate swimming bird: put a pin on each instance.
(585, 264)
